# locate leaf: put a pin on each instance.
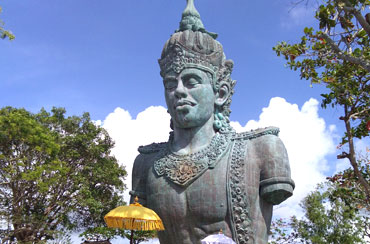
(5, 33)
(345, 23)
(357, 52)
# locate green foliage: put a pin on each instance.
(281, 232)
(5, 33)
(106, 234)
(338, 56)
(61, 237)
(333, 215)
(335, 223)
(55, 171)
(141, 236)
(349, 190)
(101, 233)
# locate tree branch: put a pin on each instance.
(349, 9)
(355, 115)
(343, 155)
(363, 63)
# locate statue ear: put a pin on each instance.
(222, 94)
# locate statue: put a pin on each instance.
(207, 177)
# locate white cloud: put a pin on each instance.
(306, 136)
(298, 15)
(151, 125)
(308, 141)
(362, 146)
(341, 165)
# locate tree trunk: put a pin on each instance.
(352, 155)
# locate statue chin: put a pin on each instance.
(189, 120)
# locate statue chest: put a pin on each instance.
(203, 202)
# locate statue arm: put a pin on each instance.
(139, 180)
(276, 184)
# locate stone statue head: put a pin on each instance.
(192, 47)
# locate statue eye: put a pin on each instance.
(170, 84)
(192, 82)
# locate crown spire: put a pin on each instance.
(190, 10)
(191, 20)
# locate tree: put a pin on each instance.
(5, 33)
(282, 232)
(349, 190)
(141, 236)
(331, 217)
(337, 55)
(55, 172)
(102, 233)
(336, 212)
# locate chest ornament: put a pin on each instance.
(184, 169)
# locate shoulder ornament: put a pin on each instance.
(248, 135)
(152, 148)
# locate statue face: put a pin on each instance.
(190, 97)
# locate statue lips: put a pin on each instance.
(183, 104)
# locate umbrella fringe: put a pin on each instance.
(132, 224)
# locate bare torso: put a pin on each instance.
(193, 212)
(204, 206)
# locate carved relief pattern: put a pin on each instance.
(152, 148)
(184, 169)
(241, 221)
(239, 202)
(181, 57)
(257, 133)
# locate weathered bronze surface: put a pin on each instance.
(207, 177)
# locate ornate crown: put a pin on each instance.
(191, 46)
(179, 57)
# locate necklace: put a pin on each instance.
(184, 169)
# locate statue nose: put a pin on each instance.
(180, 90)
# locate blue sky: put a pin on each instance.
(101, 57)
(94, 55)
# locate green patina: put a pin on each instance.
(207, 177)
(191, 20)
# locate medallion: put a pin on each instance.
(184, 169)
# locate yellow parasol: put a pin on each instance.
(133, 217)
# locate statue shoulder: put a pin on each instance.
(152, 148)
(249, 135)
(147, 156)
(262, 142)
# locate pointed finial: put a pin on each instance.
(191, 20)
(136, 202)
(190, 9)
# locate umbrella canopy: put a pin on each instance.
(217, 239)
(133, 217)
